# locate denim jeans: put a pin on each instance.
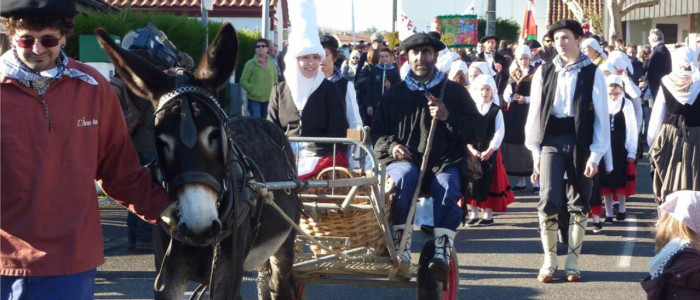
(257, 109)
(80, 286)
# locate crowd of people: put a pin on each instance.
(572, 115)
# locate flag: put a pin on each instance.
(405, 27)
(529, 28)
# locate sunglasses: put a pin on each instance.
(260, 46)
(46, 41)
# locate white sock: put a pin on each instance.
(488, 214)
(474, 213)
(596, 219)
(622, 208)
(608, 205)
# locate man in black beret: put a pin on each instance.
(567, 131)
(62, 129)
(400, 129)
(498, 62)
(535, 58)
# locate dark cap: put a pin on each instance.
(421, 39)
(572, 25)
(39, 9)
(329, 41)
(435, 35)
(533, 44)
(488, 37)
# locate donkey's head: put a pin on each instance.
(190, 128)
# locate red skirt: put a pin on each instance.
(630, 186)
(500, 193)
(341, 160)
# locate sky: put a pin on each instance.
(337, 14)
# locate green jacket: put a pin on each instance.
(258, 81)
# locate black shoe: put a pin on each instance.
(439, 268)
(473, 222)
(519, 188)
(485, 222)
(597, 227)
(536, 189)
(427, 229)
(608, 220)
(621, 216)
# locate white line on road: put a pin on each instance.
(628, 248)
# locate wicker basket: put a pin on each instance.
(360, 226)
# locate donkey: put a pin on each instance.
(206, 163)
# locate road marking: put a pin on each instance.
(628, 248)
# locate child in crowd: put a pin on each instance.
(674, 273)
(492, 192)
(622, 180)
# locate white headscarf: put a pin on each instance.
(682, 84)
(475, 91)
(457, 66)
(620, 60)
(683, 206)
(304, 40)
(444, 62)
(520, 51)
(483, 67)
(593, 43)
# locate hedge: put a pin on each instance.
(506, 29)
(186, 33)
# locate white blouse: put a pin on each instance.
(563, 106)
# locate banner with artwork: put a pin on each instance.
(458, 31)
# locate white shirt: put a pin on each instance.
(499, 131)
(563, 106)
(631, 133)
(352, 111)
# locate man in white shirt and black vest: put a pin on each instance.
(567, 131)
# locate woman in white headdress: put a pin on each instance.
(594, 51)
(674, 129)
(622, 66)
(479, 68)
(306, 103)
(516, 157)
(458, 72)
(492, 191)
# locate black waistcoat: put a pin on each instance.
(490, 127)
(584, 114)
(674, 110)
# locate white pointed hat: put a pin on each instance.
(303, 36)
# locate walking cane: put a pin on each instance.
(408, 228)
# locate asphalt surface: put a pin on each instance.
(496, 262)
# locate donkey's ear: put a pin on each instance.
(217, 64)
(145, 80)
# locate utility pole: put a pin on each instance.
(352, 12)
(393, 18)
(205, 6)
(265, 18)
(491, 18)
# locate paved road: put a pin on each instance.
(497, 262)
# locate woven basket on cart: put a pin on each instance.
(360, 226)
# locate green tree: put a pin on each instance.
(506, 29)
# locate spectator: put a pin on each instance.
(620, 45)
(637, 65)
(258, 78)
(375, 81)
(659, 62)
(273, 55)
(377, 41)
(138, 114)
(349, 67)
(548, 52)
(674, 272)
(62, 129)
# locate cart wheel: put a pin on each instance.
(427, 287)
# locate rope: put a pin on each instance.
(268, 199)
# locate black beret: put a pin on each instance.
(420, 39)
(572, 25)
(488, 37)
(40, 9)
(329, 41)
(533, 44)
